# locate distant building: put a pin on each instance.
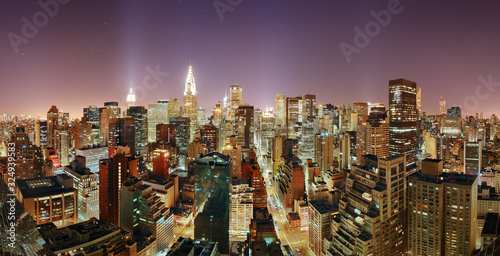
(157, 114)
(140, 116)
(28, 159)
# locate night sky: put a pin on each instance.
(90, 51)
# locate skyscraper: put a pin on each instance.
(235, 95)
(27, 159)
(442, 106)
(113, 172)
(190, 102)
(130, 97)
(110, 110)
(139, 114)
(280, 110)
(122, 133)
(442, 211)
(419, 102)
(371, 217)
(245, 125)
(403, 119)
(157, 114)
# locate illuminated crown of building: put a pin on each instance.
(190, 84)
(130, 97)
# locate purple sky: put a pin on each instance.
(90, 51)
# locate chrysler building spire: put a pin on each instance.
(190, 84)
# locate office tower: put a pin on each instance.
(345, 151)
(451, 126)
(27, 159)
(53, 123)
(122, 132)
(190, 102)
(306, 141)
(62, 145)
(442, 211)
(182, 133)
(454, 112)
(87, 187)
(289, 181)
(403, 119)
(173, 108)
(92, 157)
(140, 116)
(371, 217)
(110, 111)
(18, 230)
(308, 106)
(196, 149)
(157, 114)
(267, 120)
(293, 113)
(280, 110)
(262, 228)
(473, 155)
(49, 199)
(442, 106)
(245, 126)
(372, 137)
(259, 189)
(209, 137)
(217, 115)
(240, 209)
(235, 96)
(211, 182)
(361, 108)
(166, 133)
(323, 151)
(112, 173)
(142, 211)
(130, 97)
(92, 114)
(41, 136)
(419, 103)
(320, 217)
(83, 134)
(162, 159)
(201, 117)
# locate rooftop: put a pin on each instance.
(323, 206)
(45, 186)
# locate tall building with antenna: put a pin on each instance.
(190, 102)
(130, 97)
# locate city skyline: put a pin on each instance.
(93, 50)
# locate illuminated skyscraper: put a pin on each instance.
(403, 119)
(371, 217)
(174, 109)
(190, 102)
(92, 114)
(130, 97)
(113, 172)
(280, 110)
(140, 116)
(122, 132)
(245, 126)
(27, 159)
(53, 122)
(419, 102)
(110, 110)
(235, 95)
(41, 133)
(157, 114)
(442, 211)
(442, 106)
